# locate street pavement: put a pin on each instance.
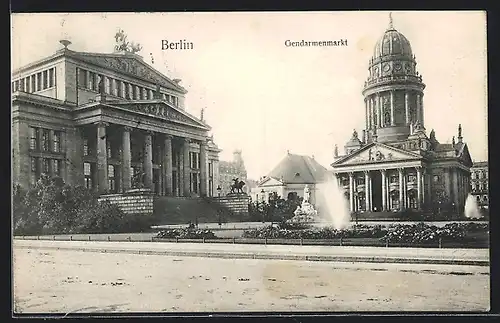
(475, 257)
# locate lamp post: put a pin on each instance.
(218, 190)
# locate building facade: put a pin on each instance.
(110, 122)
(395, 165)
(479, 183)
(230, 170)
(289, 178)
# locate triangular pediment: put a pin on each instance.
(376, 153)
(129, 64)
(270, 181)
(161, 109)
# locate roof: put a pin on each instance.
(480, 164)
(298, 169)
(122, 62)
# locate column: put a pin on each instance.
(187, 168)
(384, 190)
(102, 162)
(367, 123)
(393, 123)
(401, 189)
(405, 191)
(418, 107)
(351, 192)
(148, 160)
(126, 159)
(419, 187)
(379, 109)
(368, 192)
(407, 108)
(372, 109)
(203, 168)
(167, 165)
(455, 187)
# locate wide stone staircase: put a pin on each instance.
(183, 210)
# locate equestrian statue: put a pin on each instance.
(237, 186)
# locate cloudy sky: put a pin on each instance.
(266, 98)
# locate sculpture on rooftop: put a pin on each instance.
(122, 45)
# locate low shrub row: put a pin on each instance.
(403, 233)
(186, 233)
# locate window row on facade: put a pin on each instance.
(48, 140)
(36, 82)
(90, 81)
(48, 166)
(479, 174)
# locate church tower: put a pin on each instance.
(393, 91)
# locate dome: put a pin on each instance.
(392, 43)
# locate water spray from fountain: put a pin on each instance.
(471, 209)
(335, 208)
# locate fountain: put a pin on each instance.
(335, 208)
(471, 210)
(305, 212)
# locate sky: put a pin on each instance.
(265, 98)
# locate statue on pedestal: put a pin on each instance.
(237, 186)
(305, 212)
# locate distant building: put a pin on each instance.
(229, 170)
(479, 183)
(394, 165)
(289, 178)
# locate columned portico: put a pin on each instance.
(351, 191)
(187, 168)
(419, 187)
(102, 163)
(401, 189)
(148, 160)
(384, 189)
(368, 193)
(203, 168)
(126, 159)
(167, 162)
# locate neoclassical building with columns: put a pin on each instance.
(394, 165)
(110, 122)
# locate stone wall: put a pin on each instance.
(135, 201)
(237, 203)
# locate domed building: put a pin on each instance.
(395, 165)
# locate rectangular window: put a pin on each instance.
(33, 138)
(33, 84)
(45, 139)
(109, 150)
(45, 78)
(91, 81)
(39, 81)
(45, 166)
(34, 170)
(394, 179)
(412, 178)
(210, 169)
(87, 172)
(52, 78)
(56, 167)
(85, 147)
(82, 78)
(57, 142)
(111, 177)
